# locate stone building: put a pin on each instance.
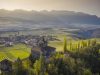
(36, 52)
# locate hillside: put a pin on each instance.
(88, 33)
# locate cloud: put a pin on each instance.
(88, 6)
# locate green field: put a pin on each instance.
(58, 44)
(12, 53)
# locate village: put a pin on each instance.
(38, 44)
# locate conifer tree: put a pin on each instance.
(20, 70)
(89, 43)
(70, 45)
(65, 45)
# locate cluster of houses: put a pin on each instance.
(26, 39)
(39, 45)
(42, 48)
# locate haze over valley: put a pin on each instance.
(28, 20)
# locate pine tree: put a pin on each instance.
(89, 43)
(65, 45)
(19, 67)
(70, 45)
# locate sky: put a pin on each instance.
(87, 6)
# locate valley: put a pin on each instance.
(57, 35)
(56, 42)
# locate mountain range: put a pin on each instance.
(88, 25)
(46, 17)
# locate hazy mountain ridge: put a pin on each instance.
(49, 17)
(88, 33)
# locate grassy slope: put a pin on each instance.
(11, 53)
(59, 44)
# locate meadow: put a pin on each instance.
(12, 53)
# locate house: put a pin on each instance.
(2, 41)
(36, 51)
(32, 42)
(41, 48)
(46, 51)
(6, 65)
(42, 42)
(8, 44)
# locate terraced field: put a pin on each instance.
(11, 53)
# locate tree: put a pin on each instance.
(32, 60)
(65, 45)
(19, 68)
(87, 72)
(71, 45)
(39, 66)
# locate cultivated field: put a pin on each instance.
(11, 53)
